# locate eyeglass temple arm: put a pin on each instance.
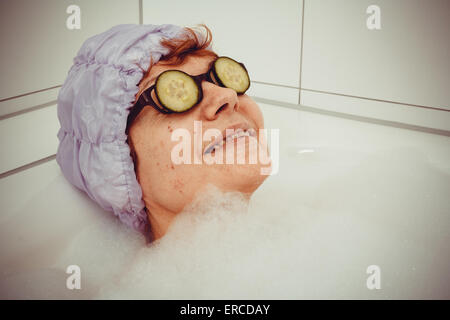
(144, 100)
(136, 109)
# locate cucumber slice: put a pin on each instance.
(231, 74)
(177, 91)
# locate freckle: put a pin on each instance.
(161, 143)
(157, 163)
(178, 185)
(172, 167)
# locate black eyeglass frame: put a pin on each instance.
(146, 99)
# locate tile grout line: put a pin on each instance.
(353, 117)
(350, 96)
(301, 52)
(30, 109)
(29, 93)
(374, 99)
(274, 84)
(141, 13)
(27, 166)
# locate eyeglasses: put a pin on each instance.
(177, 92)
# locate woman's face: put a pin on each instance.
(171, 186)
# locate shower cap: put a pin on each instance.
(93, 106)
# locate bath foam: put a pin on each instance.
(299, 240)
(216, 248)
(310, 231)
(200, 237)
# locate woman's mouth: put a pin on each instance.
(235, 134)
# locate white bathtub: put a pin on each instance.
(348, 195)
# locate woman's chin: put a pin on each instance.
(244, 178)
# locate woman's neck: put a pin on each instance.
(160, 220)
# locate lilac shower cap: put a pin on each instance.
(93, 106)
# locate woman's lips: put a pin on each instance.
(240, 130)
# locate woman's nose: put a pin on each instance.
(218, 101)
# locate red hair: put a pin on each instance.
(188, 44)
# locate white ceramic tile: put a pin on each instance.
(38, 48)
(424, 117)
(406, 61)
(28, 137)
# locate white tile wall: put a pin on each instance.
(37, 52)
(28, 137)
(406, 61)
(35, 100)
(416, 116)
(38, 48)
